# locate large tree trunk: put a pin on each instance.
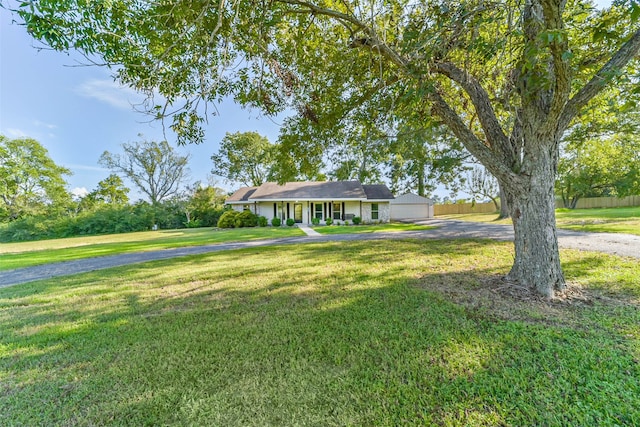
(537, 259)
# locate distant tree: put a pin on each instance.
(30, 182)
(481, 184)
(155, 168)
(359, 154)
(201, 205)
(244, 157)
(424, 156)
(111, 190)
(608, 168)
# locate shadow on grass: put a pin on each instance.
(322, 334)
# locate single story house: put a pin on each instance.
(411, 207)
(302, 201)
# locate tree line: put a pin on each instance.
(35, 203)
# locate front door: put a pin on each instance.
(297, 212)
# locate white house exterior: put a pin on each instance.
(411, 207)
(302, 201)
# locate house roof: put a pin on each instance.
(411, 199)
(377, 192)
(242, 195)
(311, 190)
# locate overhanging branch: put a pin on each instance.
(599, 81)
(480, 99)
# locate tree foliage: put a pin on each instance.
(245, 157)
(110, 191)
(30, 182)
(609, 168)
(507, 78)
(155, 168)
(424, 156)
(481, 184)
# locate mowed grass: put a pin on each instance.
(358, 333)
(375, 228)
(26, 254)
(604, 220)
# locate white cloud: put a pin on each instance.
(110, 92)
(79, 192)
(88, 168)
(43, 124)
(16, 133)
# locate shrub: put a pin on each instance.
(262, 221)
(276, 222)
(290, 222)
(247, 219)
(228, 219)
(195, 223)
(315, 221)
(346, 223)
(357, 220)
(328, 221)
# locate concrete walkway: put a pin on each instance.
(617, 244)
(308, 230)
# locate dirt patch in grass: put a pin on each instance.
(493, 296)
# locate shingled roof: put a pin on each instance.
(242, 195)
(377, 192)
(312, 190)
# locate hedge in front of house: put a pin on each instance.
(234, 219)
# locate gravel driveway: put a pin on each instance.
(617, 244)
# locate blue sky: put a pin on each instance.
(77, 112)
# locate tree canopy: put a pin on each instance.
(30, 181)
(507, 78)
(609, 168)
(155, 168)
(245, 157)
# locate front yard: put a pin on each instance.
(26, 254)
(358, 333)
(605, 220)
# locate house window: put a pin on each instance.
(318, 211)
(375, 212)
(245, 207)
(337, 211)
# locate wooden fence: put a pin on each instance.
(463, 208)
(587, 203)
(604, 202)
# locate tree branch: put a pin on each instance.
(480, 99)
(552, 11)
(625, 54)
(373, 42)
(475, 146)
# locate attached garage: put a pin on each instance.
(411, 207)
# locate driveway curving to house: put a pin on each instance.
(616, 244)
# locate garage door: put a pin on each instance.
(409, 211)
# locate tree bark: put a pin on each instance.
(537, 258)
(421, 181)
(504, 206)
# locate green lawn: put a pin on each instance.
(360, 333)
(25, 254)
(606, 220)
(378, 228)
